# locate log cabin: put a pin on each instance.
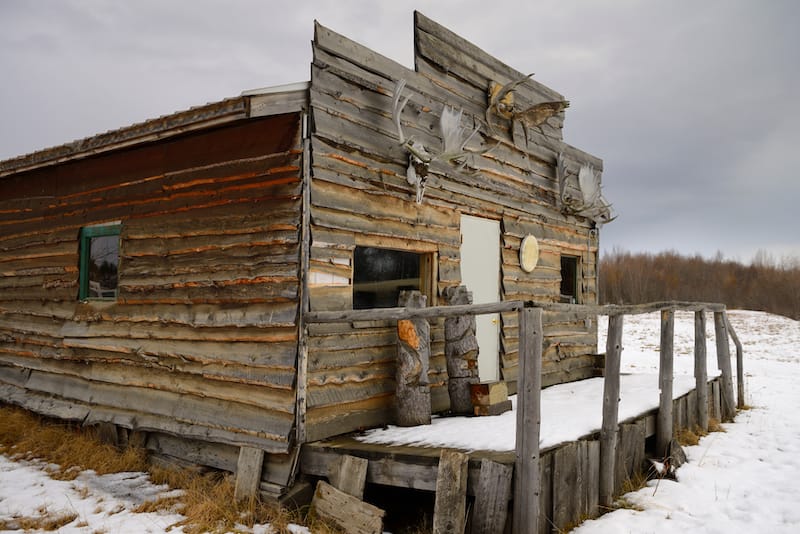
(155, 278)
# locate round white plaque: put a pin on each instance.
(529, 253)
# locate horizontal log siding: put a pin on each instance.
(202, 340)
(360, 196)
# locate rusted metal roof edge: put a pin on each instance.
(166, 126)
(283, 99)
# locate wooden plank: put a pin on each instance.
(590, 450)
(567, 485)
(248, 473)
(630, 457)
(724, 362)
(664, 427)
(492, 496)
(198, 452)
(349, 513)
(700, 368)
(304, 297)
(449, 511)
(527, 485)
(349, 474)
(609, 427)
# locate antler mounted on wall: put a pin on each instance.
(590, 202)
(501, 104)
(454, 139)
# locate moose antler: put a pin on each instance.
(454, 139)
(591, 203)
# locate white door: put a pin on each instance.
(480, 272)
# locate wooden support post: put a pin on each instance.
(491, 498)
(724, 362)
(107, 433)
(349, 474)
(701, 369)
(527, 483)
(740, 401)
(461, 352)
(413, 394)
(665, 372)
(610, 426)
(350, 514)
(248, 473)
(450, 508)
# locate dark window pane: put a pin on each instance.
(569, 279)
(103, 265)
(380, 274)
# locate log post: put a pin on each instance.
(665, 372)
(527, 481)
(724, 362)
(610, 426)
(461, 352)
(701, 369)
(740, 401)
(413, 394)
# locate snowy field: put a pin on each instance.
(744, 480)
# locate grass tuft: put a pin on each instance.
(687, 437)
(714, 425)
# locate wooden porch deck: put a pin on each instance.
(569, 471)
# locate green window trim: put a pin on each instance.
(85, 241)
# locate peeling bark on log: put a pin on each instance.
(413, 395)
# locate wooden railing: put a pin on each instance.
(527, 484)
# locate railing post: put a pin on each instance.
(665, 372)
(527, 482)
(610, 427)
(740, 401)
(724, 362)
(701, 369)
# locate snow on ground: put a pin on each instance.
(744, 480)
(748, 478)
(102, 503)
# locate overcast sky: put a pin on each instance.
(692, 105)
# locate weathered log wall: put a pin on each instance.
(360, 196)
(202, 340)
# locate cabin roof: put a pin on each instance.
(261, 102)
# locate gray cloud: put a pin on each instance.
(692, 105)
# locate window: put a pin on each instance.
(569, 279)
(380, 274)
(99, 262)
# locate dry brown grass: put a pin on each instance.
(47, 521)
(206, 500)
(686, 437)
(714, 425)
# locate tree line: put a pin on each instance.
(764, 285)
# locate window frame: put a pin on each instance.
(87, 233)
(427, 271)
(577, 296)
